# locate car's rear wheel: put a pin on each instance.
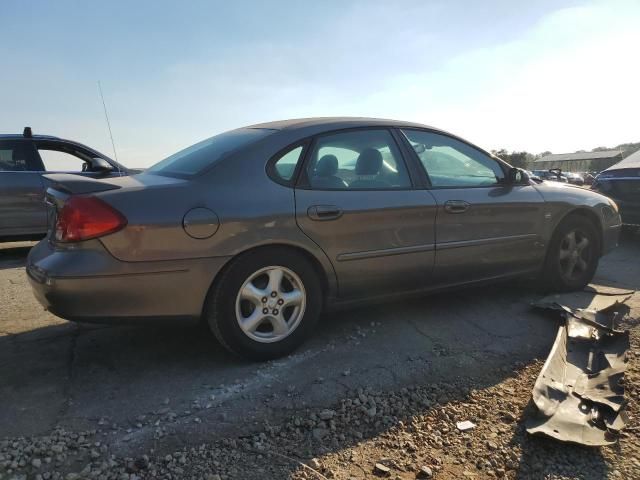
(265, 303)
(573, 255)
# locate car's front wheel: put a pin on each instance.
(265, 304)
(573, 255)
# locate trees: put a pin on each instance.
(516, 159)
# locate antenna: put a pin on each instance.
(106, 115)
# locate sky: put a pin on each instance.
(535, 76)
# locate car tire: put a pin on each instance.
(245, 292)
(573, 255)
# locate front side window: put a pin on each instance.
(59, 161)
(357, 160)
(18, 156)
(197, 157)
(452, 163)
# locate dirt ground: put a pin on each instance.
(382, 385)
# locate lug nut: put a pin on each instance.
(280, 301)
(274, 294)
(264, 299)
(265, 310)
(275, 311)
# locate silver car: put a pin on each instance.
(258, 229)
(23, 160)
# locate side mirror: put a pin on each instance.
(518, 176)
(100, 165)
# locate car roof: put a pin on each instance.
(298, 128)
(336, 123)
(632, 161)
(20, 136)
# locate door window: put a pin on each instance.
(59, 161)
(452, 163)
(18, 156)
(357, 160)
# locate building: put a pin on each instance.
(579, 162)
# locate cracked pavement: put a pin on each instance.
(167, 385)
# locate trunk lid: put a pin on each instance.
(59, 187)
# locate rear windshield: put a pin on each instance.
(197, 157)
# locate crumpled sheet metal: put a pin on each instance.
(579, 392)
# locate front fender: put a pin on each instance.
(562, 200)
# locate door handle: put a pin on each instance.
(456, 206)
(324, 212)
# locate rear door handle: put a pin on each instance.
(324, 212)
(456, 206)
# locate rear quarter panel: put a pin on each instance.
(252, 211)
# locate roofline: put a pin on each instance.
(21, 136)
(345, 122)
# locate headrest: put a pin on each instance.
(369, 162)
(327, 166)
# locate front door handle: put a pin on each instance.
(456, 206)
(324, 212)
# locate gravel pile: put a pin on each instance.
(405, 434)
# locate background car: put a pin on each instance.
(553, 175)
(574, 178)
(588, 177)
(621, 182)
(23, 160)
(533, 176)
(256, 230)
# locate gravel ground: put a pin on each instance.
(405, 434)
(366, 432)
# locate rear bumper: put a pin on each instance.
(86, 283)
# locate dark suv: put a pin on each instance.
(23, 160)
(621, 182)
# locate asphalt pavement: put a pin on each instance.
(172, 384)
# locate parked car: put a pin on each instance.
(256, 230)
(23, 160)
(553, 175)
(533, 176)
(588, 177)
(621, 182)
(574, 178)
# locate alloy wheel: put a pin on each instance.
(270, 304)
(575, 255)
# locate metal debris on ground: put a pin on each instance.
(579, 392)
(465, 425)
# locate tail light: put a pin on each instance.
(82, 218)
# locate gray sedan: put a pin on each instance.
(258, 229)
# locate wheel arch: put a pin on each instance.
(324, 271)
(591, 216)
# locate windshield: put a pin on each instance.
(197, 157)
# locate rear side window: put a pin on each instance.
(285, 166)
(197, 157)
(18, 156)
(357, 160)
